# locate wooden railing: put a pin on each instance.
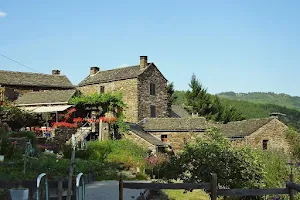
(211, 188)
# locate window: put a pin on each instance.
(152, 111)
(152, 89)
(101, 89)
(164, 138)
(35, 89)
(265, 144)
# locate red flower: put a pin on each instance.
(63, 124)
(78, 120)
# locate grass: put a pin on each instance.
(180, 195)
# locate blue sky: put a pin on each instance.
(239, 46)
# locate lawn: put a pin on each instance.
(180, 195)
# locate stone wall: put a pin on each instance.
(177, 140)
(140, 141)
(152, 75)
(127, 87)
(274, 132)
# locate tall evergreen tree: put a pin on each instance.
(198, 100)
(171, 97)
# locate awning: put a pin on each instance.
(47, 109)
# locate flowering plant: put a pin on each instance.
(63, 124)
(78, 120)
(111, 119)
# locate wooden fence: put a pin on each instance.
(56, 188)
(212, 188)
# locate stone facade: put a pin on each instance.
(129, 89)
(159, 100)
(273, 133)
(140, 141)
(134, 83)
(177, 140)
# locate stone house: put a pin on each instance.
(13, 84)
(143, 87)
(265, 133)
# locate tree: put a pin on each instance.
(198, 100)
(171, 97)
(213, 153)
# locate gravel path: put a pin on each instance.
(109, 190)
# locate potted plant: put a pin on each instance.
(19, 193)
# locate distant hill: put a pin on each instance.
(254, 110)
(265, 98)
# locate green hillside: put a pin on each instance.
(265, 98)
(253, 110)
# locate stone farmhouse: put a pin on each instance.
(143, 87)
(144, 90)
(14, 84)
(265, 133)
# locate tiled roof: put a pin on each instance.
(179, 112)
(136, 129)
(45, 97)
(34, 79)
(113, 75)
(242, 128)
(176, 124)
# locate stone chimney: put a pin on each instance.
(94, 70)
(55, 72)
(143, 62)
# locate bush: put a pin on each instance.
(234, 167)
(117, 151)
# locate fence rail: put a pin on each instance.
(212, 188)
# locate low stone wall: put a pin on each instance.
(61, 136)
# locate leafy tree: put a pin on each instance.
(16, 118)
(213, 153)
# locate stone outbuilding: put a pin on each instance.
(264, 133)
(143, 86)
(14, 84)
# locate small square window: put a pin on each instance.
(101, 89)
(152, 89)
(164, 138)
(152, 111)
(265, 144)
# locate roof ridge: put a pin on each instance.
(34, 73)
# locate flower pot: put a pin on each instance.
(1, 158)
(19, 193)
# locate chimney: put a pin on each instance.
(55, 72)
(94, 70)
(143, 62)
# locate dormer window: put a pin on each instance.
(101, 89)
(152, 89)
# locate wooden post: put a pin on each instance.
(121, 186)
(214, 187)
(100, 138)
(291, 191)
(59, 189)
(70, 180)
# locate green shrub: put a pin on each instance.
(117, 151)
